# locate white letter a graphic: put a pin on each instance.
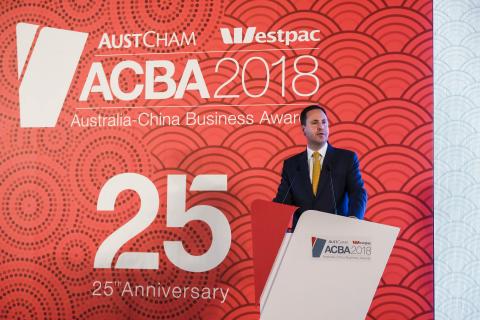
(45, 70)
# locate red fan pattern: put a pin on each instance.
(375, 72)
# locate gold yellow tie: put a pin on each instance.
(317, 168)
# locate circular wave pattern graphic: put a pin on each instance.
(375, 69)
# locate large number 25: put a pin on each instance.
(177, 216)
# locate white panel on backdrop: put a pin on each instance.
(457, 159)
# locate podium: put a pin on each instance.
(328, 268)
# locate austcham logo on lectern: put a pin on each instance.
(47, 59)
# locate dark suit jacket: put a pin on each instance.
(296, 189)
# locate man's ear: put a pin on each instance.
(303, 130)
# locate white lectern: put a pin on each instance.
(328, 269)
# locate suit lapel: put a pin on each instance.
(305, 174)
(324, 175)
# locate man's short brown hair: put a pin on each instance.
(303, 114)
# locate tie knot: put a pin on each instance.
(316, 155)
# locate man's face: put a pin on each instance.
(316, 128)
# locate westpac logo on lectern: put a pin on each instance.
(47, 60)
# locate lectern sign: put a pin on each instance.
(338, 248)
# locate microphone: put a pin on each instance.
(331, 187)
(290, 230)
(291, 184)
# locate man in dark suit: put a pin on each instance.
(322, 177)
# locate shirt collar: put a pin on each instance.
(322, 151)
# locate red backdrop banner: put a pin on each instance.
(189, 88)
